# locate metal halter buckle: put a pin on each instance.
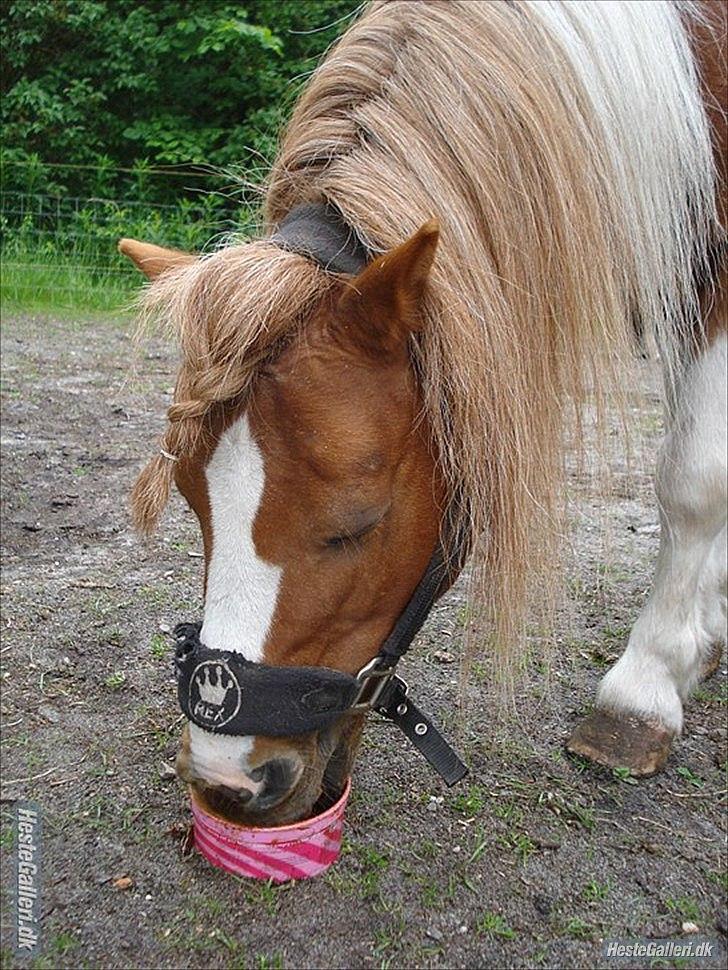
(373, 680)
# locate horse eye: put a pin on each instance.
(349, 539)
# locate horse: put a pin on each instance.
(538, 188)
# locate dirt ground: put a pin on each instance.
(533, 861)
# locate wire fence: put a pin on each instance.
(61, 251)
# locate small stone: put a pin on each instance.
(48, 714)
(463, 929)
(688, 927)
(148, 897)
(652, 847)
(164, 627)
(434, 934)
(166, 771)
(123, 882)
(444, 657)
(547, 843)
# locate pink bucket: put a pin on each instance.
(296, 851)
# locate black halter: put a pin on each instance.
(221, 692)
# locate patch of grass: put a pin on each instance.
(159, 646)
(470, 803)
(612, 572)
(615, 636)
(493, 926)
(712, 693)
(154, 595)
(578, 929)
(384, 940)
(34, 280)
(595, 891)
(624, 773)
(720, 878)
(690, 777)
(264, 961)
(265, 895)
(58, 946)
(435, 895)
(116, 680)
(431, 893)
(481, 843)
(600, 657)
(98, 813)
(520, 843)
(373, 864)
(479, 671)
(509, 811)
(16, 740)
(162, 738)
(63, 944)
(114, 637)
(427, 850)
(566, 810)
(683, 906)
(7, 837)
(129, 816)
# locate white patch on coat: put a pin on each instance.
(242, 590)
(685, 615)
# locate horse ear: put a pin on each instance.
(380, 306)
(153, 260)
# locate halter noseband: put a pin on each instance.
(222, 692)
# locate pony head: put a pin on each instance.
(313, 477)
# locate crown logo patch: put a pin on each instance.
(215, 694)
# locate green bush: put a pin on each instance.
(146, 118)
(111, 89)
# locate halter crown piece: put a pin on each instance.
(222, 692)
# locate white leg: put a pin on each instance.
(684, 617)
(639, 702)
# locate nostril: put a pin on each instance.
(241, 795)
(278, 777)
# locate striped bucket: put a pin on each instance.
(296, 851)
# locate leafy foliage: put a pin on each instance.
(101, 85)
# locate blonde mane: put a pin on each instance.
(565, 151)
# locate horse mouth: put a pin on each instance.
(301, 802)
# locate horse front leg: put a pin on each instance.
(679, 635)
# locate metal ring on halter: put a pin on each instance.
(168, 455)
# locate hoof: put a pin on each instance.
(621, 740)
(712, 661)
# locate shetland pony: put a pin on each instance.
(537, 182)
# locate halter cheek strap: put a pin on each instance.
(221, 692)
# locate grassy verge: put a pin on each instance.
(59, 254)
(36, 282)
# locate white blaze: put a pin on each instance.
(242, 588)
